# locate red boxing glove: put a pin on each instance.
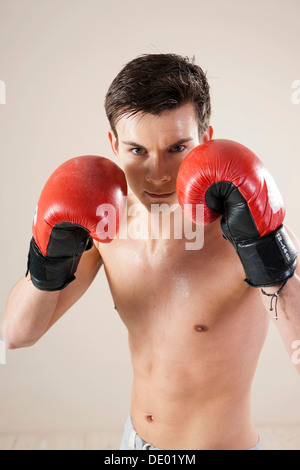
(230, 180)
(81, 194)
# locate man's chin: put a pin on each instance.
(170, 203)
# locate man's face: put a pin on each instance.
(151, 149)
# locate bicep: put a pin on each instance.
(87, 270)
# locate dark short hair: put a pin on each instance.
(153, 83)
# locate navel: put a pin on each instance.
(149, 418)
(200, 328)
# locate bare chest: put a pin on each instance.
(165, 282)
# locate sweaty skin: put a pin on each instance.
(195, 328)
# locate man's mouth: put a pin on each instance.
(160, 195)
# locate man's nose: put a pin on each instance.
(158, 171)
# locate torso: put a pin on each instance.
(195, 334)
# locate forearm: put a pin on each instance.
(27, 315)
(288, 316)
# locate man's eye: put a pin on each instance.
(137, 151)
(178, 148)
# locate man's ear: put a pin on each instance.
(113, 142)
(208, 134)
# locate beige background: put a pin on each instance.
(57, 59)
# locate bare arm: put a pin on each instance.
(31, 312)
(288, 307)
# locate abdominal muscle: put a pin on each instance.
(193, 391)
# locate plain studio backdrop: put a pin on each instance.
(57, 59)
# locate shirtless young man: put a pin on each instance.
(196, 329)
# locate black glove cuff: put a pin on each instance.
(268, 261)
(49, 274)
